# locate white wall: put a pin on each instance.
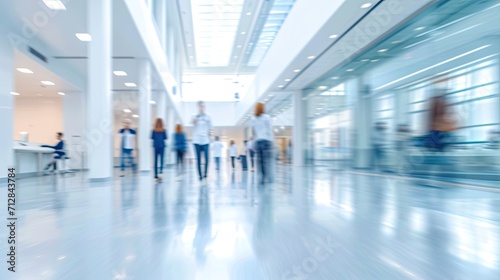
(222, 113)
(40, 116)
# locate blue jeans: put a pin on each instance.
(217, 163)
(252, 155)
(264, 150)
(127, 155)
(201, 148)
(159, 152)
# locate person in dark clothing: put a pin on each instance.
(159, 135)
(59, 151)
(180, 147)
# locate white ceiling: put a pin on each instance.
(30, 84)
(55, 32)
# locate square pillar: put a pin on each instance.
(99, 106)
(6, 108)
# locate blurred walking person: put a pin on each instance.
(128, 143)
(263, 136)
(180, 147)
(217, 150)
(202, 126)
(379, 141)
(159, 135)
(441, 124)
(233, 152)
(251, 152)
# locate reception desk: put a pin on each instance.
(30, 158)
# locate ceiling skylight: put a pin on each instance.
(215, 26)
(265, 35)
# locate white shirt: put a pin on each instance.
(217, 148)
(233, 150)
(201, 129)
(128, 137)
(262, 128)
(249, 146)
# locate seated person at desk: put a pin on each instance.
(58, 154)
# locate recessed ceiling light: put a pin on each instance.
(55, 5)
(152, 102)
(420, 28)
(191, 56)
(365, 60)
(189, 45)
(333, 36)
(296, 70)
(249, 13)
(61, 93)
(239, 46)
(243, 33)
(48, 83)
(127, 110)
(120, 73)
(322, 87)
(130, 85)
(135, 116)
(366, 5)
(350, 70)
(235, 56)
(14, 93)
(25, 70)
(311, 57)
(382, 50)
(288, 80)
(396, 42)
(374, 60)
(281, 86)
(335, 78)
(84, 37)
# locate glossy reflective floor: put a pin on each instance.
(309, 224)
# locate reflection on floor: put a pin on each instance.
(309, 224)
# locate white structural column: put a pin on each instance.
(171, 122)
(6, 107)
(299, 129)
(74, 128)
(161, 106)
(99, 109)
(161, 21)
(362, 123)
(145, 122)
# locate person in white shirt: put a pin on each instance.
(202, 126)
(264, 137)
(233, 152)
(217, 149)
(128, 140)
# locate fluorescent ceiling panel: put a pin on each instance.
(215, 24)
(55, 5)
